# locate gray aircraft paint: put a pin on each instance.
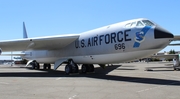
(102, 50)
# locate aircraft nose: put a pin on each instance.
(159, 33)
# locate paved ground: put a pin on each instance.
(128, 81)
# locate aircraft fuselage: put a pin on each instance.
(110, 44)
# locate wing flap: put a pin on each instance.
(41, 43)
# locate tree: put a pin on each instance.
(172, 52)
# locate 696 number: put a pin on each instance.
(119, 46)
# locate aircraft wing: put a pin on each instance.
(39, 43)
(176, 37)
(177, 44)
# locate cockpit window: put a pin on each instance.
(148, 23)
(128, 25)
(139, 23)
(131, 24)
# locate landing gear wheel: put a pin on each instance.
(75, 69)
(87, 68)
(91, 68)
(71, 67)
(68, 69)
(35, 65)
(47, 66)
(44, 66)
(84, 68)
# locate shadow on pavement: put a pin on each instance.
(100, 74)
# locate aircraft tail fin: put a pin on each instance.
(24, 31)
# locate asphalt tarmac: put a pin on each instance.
(121, 81)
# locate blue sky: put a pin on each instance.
(56, 17)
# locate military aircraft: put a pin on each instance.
(120, 42)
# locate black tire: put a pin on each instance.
(33, 65)
(49, 66)
(44, 66)
(38, 66)
(91, 68)
(84, 68)
(75, 69)
(68, 69)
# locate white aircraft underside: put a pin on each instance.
(101, 59)
(114, 43)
